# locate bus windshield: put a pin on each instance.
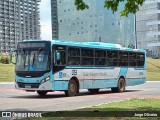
(32, 60)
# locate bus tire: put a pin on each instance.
(72, 88)
(42, 93)
(120, 87)
(93, 91)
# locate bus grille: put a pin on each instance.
(25, 85)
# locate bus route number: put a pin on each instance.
(74, 72)
(140, 73)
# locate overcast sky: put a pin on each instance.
(45, 19)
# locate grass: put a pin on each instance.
(7, 72)
(132, 104)
(153, 71)
(153, 65)
(110, 110)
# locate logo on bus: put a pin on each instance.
(60, 74)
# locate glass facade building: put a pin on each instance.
(93, 24)
(19, 20)
(148, 27)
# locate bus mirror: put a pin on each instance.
(12, 56)
(57, 56)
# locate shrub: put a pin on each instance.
(4, 59)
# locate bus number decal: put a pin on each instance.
(140, 73)
(74, 72)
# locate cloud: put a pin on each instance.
(45, 19)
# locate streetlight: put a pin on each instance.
(135, 30)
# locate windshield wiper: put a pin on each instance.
(39, 51)
(33, 60)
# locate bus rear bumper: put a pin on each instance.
(47, 86)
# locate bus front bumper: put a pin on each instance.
(47, 86)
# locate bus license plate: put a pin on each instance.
(27, 86)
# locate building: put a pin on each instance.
(148, 28)
(19, 20)
(93, 24)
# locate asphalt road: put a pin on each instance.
(18, 100)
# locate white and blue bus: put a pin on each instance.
(45, 66)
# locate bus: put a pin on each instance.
(43, 66)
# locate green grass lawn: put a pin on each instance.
(153, 71)
(110, 110)
(6, 72)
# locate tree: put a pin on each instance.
(131, 6)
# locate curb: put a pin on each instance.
(3, 83)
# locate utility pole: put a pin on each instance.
(135, 30)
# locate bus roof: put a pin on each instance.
(89, 45)
(95, 45)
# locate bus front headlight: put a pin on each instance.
(45, 80)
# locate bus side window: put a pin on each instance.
(140, 59)
(100, 57)
(62, 60)
(132, 59)
(112, 58)
(73, 56)
(87, 57)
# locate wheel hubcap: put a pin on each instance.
(72, 88)
(121, 85)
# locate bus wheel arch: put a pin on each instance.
(121, 84)
(73, 87)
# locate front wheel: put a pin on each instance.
(72, 88)
(42, 93)
(120, 87)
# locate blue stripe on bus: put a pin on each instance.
(123, 72)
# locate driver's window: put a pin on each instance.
(62, 60)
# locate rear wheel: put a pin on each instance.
(120, 87)
(42, 93)
(93, 90)
(72, 88)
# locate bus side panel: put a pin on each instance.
(135, 76)
(107, 83)
(87, 84)
(123, 72)
(60, 85)
(135, 81)
(93, 84)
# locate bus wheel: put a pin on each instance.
(93, 90)
(72, 88)
(42, 93)
(120, 87)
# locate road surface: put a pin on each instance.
(18, 100)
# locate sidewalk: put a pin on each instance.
(6, 83)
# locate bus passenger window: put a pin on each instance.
(62, 60)
(140, 59)
(112, 58)
(73, 56)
